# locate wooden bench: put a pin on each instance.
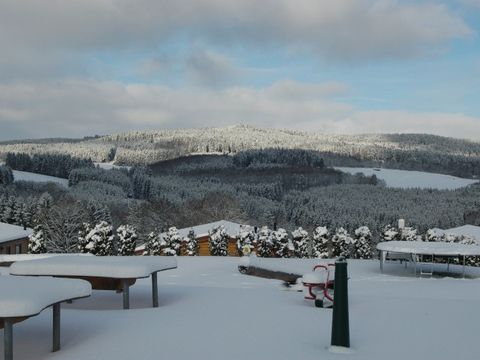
(24, 297)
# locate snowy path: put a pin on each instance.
(210, 311)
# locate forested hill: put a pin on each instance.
(405, 151)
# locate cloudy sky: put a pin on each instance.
(83, 67)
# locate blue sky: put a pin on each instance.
(88, 67)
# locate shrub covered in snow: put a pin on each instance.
(127, 240)
(409, 234)
(36, 241)
(322, 243)
(300, 241)
(218, 241)
(390, 233)
(153, 245)
(97, 241)
(171, 242)
(363, 243)
(245, 240)
(432, 235)
(342, 243)
(192, 247)
(265, 242)
(283, 246)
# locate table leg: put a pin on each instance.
(154, 290)
(56, 327)
(8, 339)
(126, 294)
(383, 255)
(463, 266)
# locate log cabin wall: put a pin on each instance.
(17, 246)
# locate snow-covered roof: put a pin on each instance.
(230, 227)
(26, 296)
(467, 230)
(117, 267)
(10, 232)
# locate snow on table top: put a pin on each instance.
(9, 232)
(11, 258)
(412, 179)
(117, 267)
(429, 248)
(27, 296)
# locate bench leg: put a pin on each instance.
(126, 294)
(8, 339)
(56, 327)
(154, 290)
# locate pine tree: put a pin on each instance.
(127, 240)
(390, 233)
(282, 243)
(322, 243)
(82, 238)
(363, 243)
(153, 246)
(265, 242)
(171, 242)
(245, 240)
(342, 243)
(408, 234)
(300, 242)
(98, 241)
(432, 235)
(218, 241)
(36, 241)
(192, 244)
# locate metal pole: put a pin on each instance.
(8, 339)
(464, 266)
(56, 327)
(382, 259)
(154, 290)
(340, 318)
(126, 294)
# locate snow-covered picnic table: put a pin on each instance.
(24, 297)
(103, 272)
(433, 249)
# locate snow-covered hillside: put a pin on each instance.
(412, 179)
(28, 176)
(208, 310)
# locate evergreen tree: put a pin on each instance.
(98, 241)
(192, 244)
(127, 240)
(322, 243)
(363, 243)
(245, 240)
(432, 235)
(265, 242)
(218, 241)
(36, 241)
(342, 243)
(171, 242)
(283, 246)
(82, 238)
(390, 233)
(300, 241)
(408, 234)
(6, 175)
(153, 246)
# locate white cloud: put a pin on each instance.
(86, 107)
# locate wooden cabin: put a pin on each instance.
(14, 239)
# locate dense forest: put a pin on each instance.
(403, 151)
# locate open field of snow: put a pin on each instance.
(412, 179)
(29, 176)
(111, 165)
(208, 310)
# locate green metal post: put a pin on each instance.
(340, 322)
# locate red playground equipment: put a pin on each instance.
(319, 285)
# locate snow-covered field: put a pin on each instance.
(412, 179)
(208, 310)
(110, 165)
(29, 176)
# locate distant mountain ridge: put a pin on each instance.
(407, 151)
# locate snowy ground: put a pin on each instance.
(110, 165)
(412, 179)
(208, 310)
(29, 176)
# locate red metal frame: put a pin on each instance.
(328, 284)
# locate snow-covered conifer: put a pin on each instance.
(218, 241)
(300, 241)
(409, 234)
(322, 243)
(127, 240)
(98, 241)
(390, 233)
(153, 245)
(432, 235)
(265, 242)
(192, 246)
(36, 241)
(282, 243)
(82, 238)
(342, 243)
(172, 242)
(363, 243)
(245, 240)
